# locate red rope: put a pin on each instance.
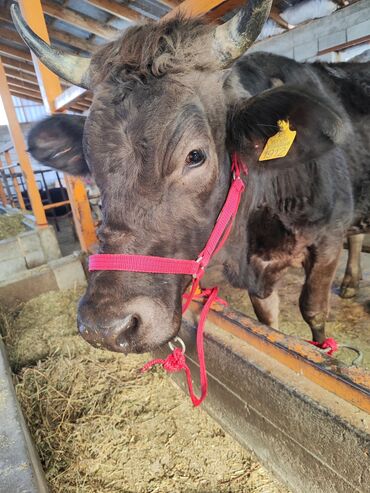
(142, 263)
(329, 343)
(176, 361)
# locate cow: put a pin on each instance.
(172, 101)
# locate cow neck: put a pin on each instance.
(196, 268)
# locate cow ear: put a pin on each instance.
(320, 125)
(56, 141)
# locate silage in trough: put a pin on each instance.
(11, 225)
(102, 426)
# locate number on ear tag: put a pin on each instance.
(279, 144)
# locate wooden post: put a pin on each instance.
(50, 88)
(15, 181)
(20, 148)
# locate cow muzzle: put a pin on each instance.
(144, 325)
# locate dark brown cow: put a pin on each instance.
(167, 113)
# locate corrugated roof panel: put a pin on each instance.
(149, 8)
(85, 8)
(119, 23)
(68, 28)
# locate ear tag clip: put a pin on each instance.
(279, 144)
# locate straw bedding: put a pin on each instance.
(11, 225)
(101, 426)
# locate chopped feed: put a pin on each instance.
(11, 225)
(101, 426)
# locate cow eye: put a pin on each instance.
(195, 158)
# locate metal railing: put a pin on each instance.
(13, 189)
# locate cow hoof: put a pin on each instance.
(347, 292)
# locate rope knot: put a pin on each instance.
(174, 361)
(330, 345)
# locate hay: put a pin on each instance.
(11, 225)
(101, 426)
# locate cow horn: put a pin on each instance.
(70, 67)
(232, 39)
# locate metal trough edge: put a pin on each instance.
(310, 438)
(20, 467)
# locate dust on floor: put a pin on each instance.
(102, 426)
(349, 319)
(11, 225)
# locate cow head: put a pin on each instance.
(157, 141)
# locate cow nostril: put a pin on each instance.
(129, 327)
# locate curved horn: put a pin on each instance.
(70, 67)
(233, 38)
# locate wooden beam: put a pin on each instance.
(224, 8)
(275, 16)
(193, 8)
(15, 53)
(22, 66)
(55, 34)
(21, 94)
(22, 84)
(78, 20)
(117, 10)
(18, 74)
(23, 90)
(70, 40)
(8, 34)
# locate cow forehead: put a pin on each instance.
(137, 124)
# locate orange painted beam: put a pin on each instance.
(20, 148)
(54, 205)
(15, 181)
(51, 88)
(193, 8)
(84, 224)
(49, 83)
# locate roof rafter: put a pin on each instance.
(55, 35)
(15, 53)
(22, 93)
(117, 9)
(17, 85)
(22, 66)
(78, 20)
(21, 75)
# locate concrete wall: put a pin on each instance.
(304, 42)
(28, 250)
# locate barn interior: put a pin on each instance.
(81, 419)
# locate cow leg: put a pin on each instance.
(320, 267)
(353, 273)
(267, 310)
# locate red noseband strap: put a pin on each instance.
(163, 265)
(195, 268)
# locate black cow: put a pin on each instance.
(165, 118)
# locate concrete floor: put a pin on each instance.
(349, 319)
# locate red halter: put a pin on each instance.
(195, 268)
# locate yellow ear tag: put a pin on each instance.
(279, 144)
